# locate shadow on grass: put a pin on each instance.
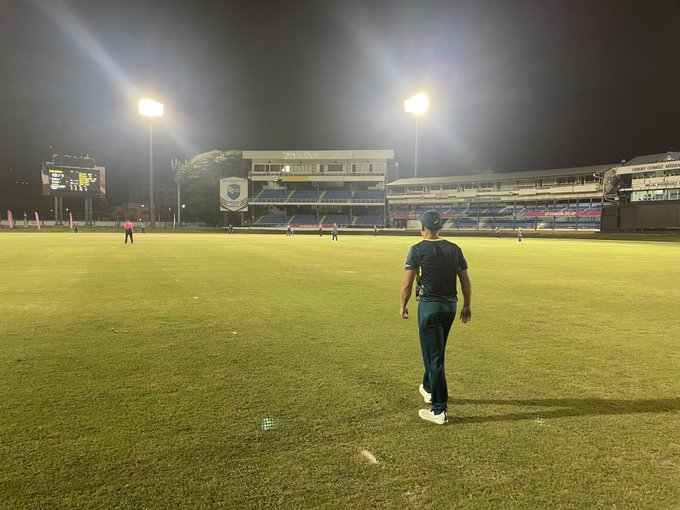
(565, 408)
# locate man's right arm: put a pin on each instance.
(466, 288)
(406, 289)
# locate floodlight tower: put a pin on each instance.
(417, 105)
(150, 109)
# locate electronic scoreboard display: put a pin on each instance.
(73, 181)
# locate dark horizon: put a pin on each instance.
(515, 86)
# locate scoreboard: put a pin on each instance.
(62, 181)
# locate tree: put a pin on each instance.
(199, 179)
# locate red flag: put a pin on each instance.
(10, 218)
(37, 219)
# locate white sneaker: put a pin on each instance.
(428, 415)
(427, 397)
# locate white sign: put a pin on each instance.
(233, 194)
(650, 167)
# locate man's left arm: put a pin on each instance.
(466, 287)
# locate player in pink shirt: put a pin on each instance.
(128, 231)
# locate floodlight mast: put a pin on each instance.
(150, 109)
(417, 105)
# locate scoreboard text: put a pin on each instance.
(73, 181)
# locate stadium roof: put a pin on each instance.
(490, 176)
(653, 158)
(319, 155)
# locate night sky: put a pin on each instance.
(514, 85)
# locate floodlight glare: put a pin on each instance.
(150, 108)
(418, 104)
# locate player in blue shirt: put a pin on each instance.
(435, 264)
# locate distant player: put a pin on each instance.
(289, 231)
(128, 231)
(438, 263)
(519, 235)
(335, 232)
(375, 230)
(320, 229)
(498, 233)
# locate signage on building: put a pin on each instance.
(233, 194)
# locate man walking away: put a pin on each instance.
(435, 264)
(128, 231)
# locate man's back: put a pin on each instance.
(439, 262)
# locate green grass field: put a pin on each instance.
(139, 376)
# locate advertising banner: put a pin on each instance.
(542, 214)
(233, 194)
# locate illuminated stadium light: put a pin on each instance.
(418, 104)
(150, 108)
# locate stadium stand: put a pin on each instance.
(369, 196)
(368, 220)
(302, 195)
(303, 220)
(272, 195)
(568, 198)
(338, 184)
(272, 219)
(342, 220)
(336, 195)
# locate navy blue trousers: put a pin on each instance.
(434, 323)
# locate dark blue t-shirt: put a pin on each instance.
(438, 263)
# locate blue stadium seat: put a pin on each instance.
(339, 219)
(272, 219)
(334, 195)
(303, 195)
(277, 195)
(303, 220)
(368, 220)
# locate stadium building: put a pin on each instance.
(305, 188)
(646, 192)
(568, 198)
(652, 177)
(358, 189)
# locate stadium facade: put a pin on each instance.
(306, 188)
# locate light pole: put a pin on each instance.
(150, 109)
(417, 105)
(175, 167)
